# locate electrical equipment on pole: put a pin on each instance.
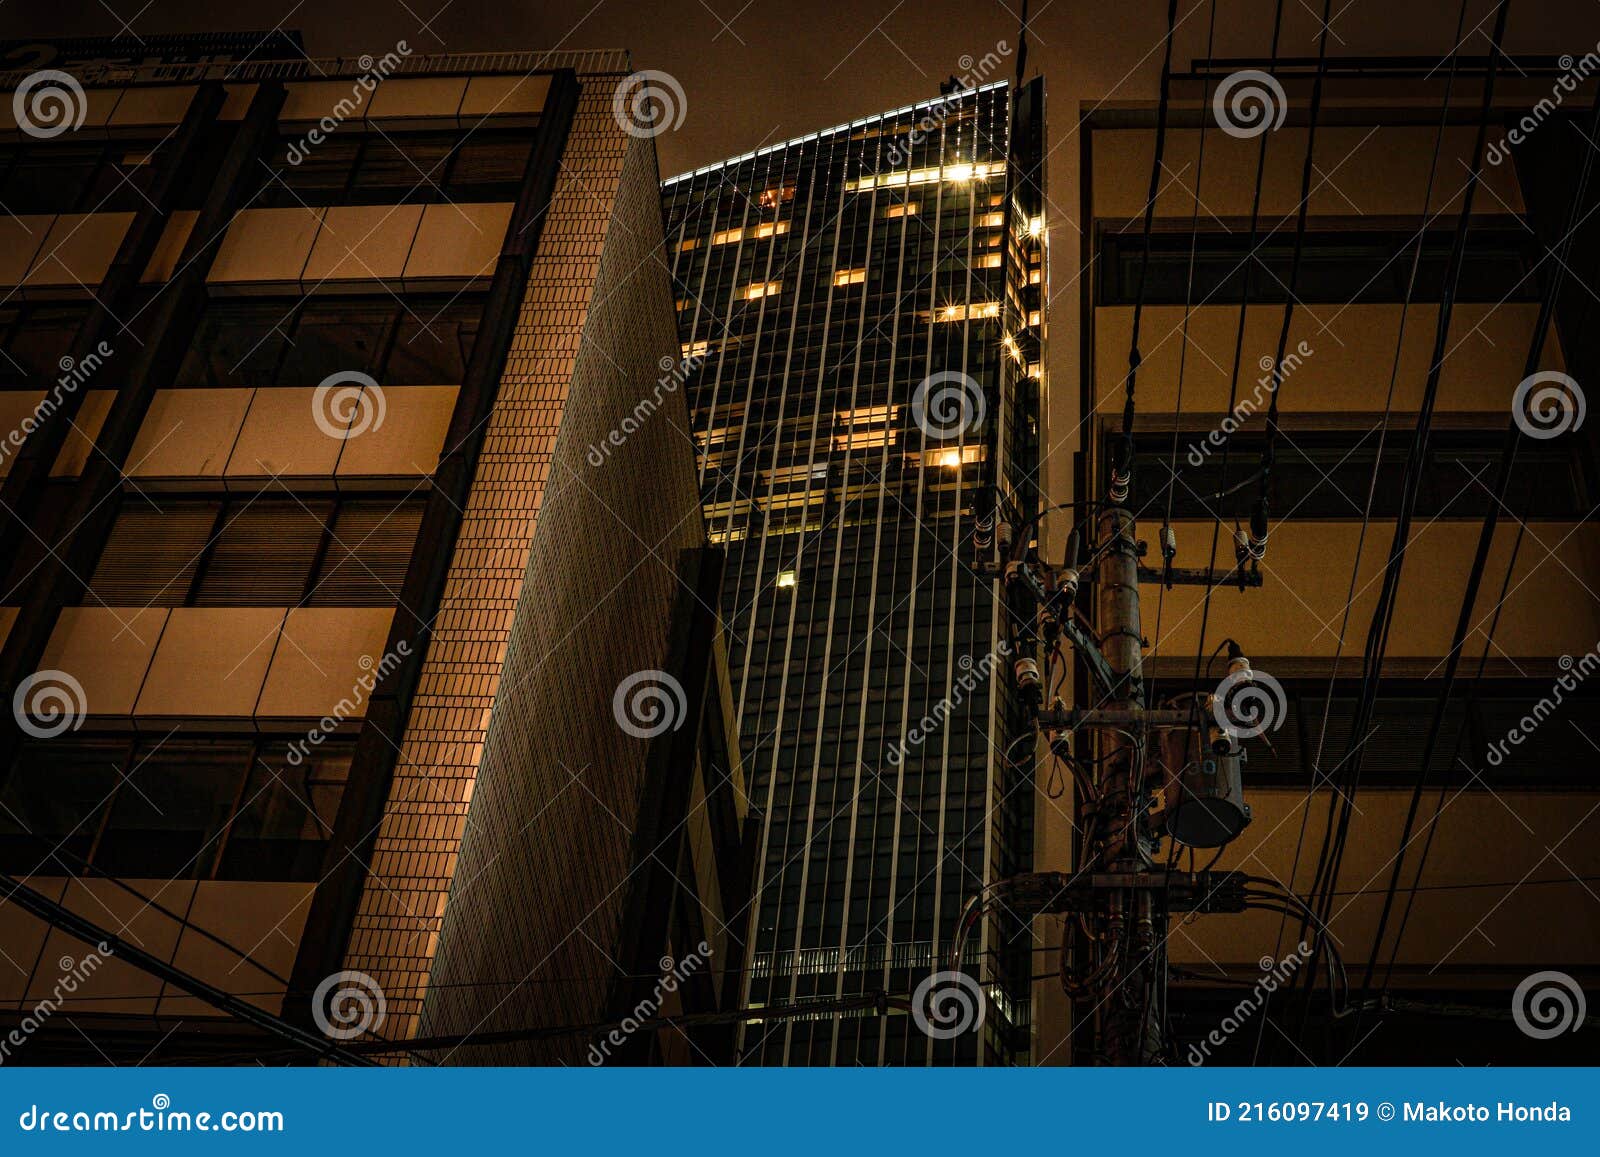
(1149, 778)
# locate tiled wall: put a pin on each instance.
(537, 630)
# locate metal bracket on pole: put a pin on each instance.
(1125, 718)
(1185, 576)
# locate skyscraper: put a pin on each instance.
(321, 664)
(867, 302)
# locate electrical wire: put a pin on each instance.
(1372, 482)
(1329, 864)
(1268, 447)
(1250, 263)
(59, 916)
(1508, 456)
(1322, 944)
(1188, 307)
(1277, 893)
(1461, 732)
(874, 1000)
(1162, 109)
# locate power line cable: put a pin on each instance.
(76, 926)
(1250, 263)
(1377, 462)
(1491, 518)
(1188, 312)
(1330, 862)
(1258, 521)
(1122, 465)
(1461, 732)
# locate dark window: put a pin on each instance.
(1327, 474)
(237, 344)
(490, 167)
(34, 339)
(55, 798)
(48, 179)
(225, 808)
(1553, 753)
(286, 818)
(77, 178)
(1549, 181)
(367, 554)
(123, 180)
(347, 336)
(170, 809)
(201, 181)
(402, 169)
(426, 341)
(264, 553)
(54, 501)
(182, 550)
(153, 552)
(311, 176)
(431, 348)
(1336, 266)
(353, 168)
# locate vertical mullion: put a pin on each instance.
(798, 592)
(911, 597)
(203, 563)
(320, 555)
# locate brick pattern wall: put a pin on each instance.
(514, 787)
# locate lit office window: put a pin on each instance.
(958, 172)
(973, 311)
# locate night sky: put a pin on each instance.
(760, 71)
(756, 72)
